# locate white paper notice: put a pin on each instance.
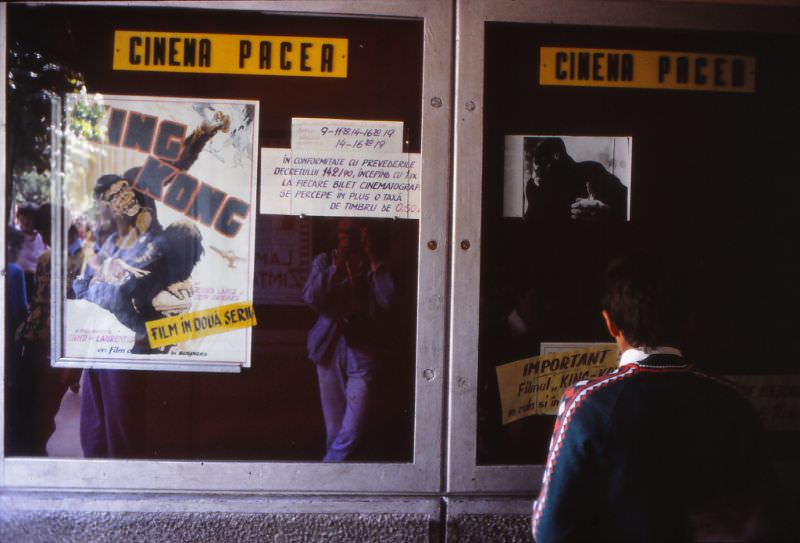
(347, 135)
(340, 183)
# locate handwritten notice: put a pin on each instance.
(775, 397)
(347, 135)
(340, 184)
(534, 386)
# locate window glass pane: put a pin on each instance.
(139, 246)
(702, 180)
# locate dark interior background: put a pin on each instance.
(714, 188)
(270, 411)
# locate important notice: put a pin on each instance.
(534, 386)
(172, 330)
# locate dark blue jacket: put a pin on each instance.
(655, 451)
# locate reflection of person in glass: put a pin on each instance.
(35, 388)
(32, 246)
(351, 289)
(559, 189)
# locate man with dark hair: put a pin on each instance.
(561, 189)
(643, 298)
(654, 450)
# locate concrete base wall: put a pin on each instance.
(39, 517)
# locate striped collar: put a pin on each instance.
(656, 356)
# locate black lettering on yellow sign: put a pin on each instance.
(285, 56)
(230, 54)
(685, 70)
(173, 330)
(541, 364)
(159, 51)
(239, 314)
(534, 385)
(646, 69)
(594, 66)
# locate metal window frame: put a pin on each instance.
(424, 474)
(463, 473)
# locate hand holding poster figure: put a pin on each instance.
(588, 209)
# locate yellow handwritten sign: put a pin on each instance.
(534, 386)
(646, 69)
(230, 54)
(172, 330)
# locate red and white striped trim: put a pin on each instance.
(561, 428)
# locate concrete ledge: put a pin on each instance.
(477, 520)
(86, 527)
(483, 528)
(64, 518)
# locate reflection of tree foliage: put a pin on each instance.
(84, 118)
(84, 134)
(33, 80)
(32, 187)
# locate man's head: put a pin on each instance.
(14, 239)
(43, 220)
(375, 239)
(643, 302)
(347, 234)
(549, 153)
(25, 216)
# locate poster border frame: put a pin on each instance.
(58, 260)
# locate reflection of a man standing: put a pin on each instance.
(351, 289)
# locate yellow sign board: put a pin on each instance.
(634, 69)
(229, 54)
(172, 330)
(534, 386)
